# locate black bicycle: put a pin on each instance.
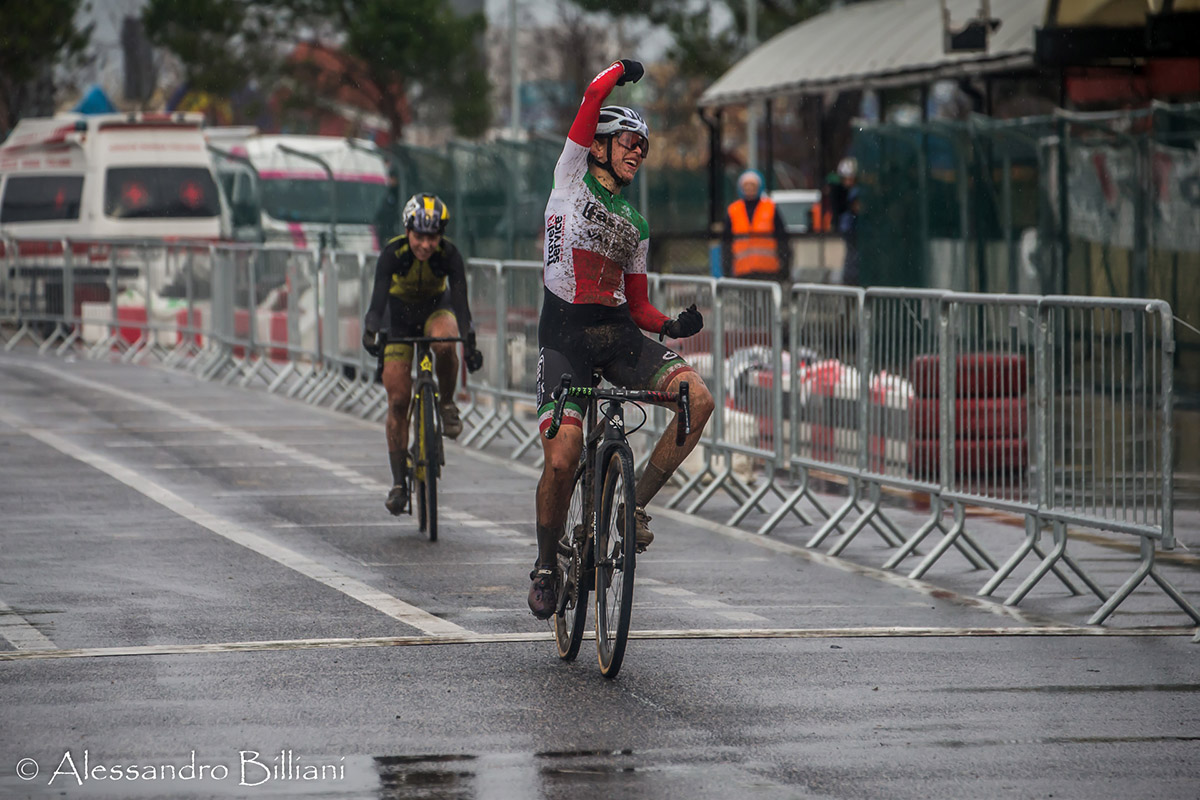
(602, 499)
(426, 455)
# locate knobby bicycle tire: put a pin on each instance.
(615, 549)
(417, 435)
(432, 455)
(573, 560)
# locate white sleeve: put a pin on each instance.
(571, 166)
(638, 265)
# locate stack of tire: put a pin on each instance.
(991, 420)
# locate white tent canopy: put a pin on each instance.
(876, 45)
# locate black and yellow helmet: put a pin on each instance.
(426, 213)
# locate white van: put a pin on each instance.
(136, 194)
(305, 187)
(110, 176)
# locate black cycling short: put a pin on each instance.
(412, 319)
(580, 339)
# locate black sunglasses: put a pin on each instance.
(634, 141)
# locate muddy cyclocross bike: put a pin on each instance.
(602, 499)
(426, 454)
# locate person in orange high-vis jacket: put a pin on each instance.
(755, 241)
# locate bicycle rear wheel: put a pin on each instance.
(615, 549)
(573, 560)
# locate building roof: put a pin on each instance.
(875, 45)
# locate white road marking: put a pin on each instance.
(740, 616)
(385, 524)
(393, 607)
(509, 533)
(20, 634)
(546, 636)
(290, 492)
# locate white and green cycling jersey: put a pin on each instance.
(593, 237)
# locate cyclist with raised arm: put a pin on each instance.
(594, 311)
(420, 290)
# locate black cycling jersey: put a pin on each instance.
(408, 285)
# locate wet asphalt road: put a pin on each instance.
(199, 587)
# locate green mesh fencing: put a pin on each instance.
(497, 193)
(1089, 204)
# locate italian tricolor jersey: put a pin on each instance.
(593, 237)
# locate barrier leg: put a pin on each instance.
(833, 523)
(973, 552)
(950, 538)
(506, 419)
(751, 503)
(1146, 567)
(21, 333)
(906, 549)
(253, 372)
(789, 506)
(483, 425)
(49, 341)
(690, 486)
(138, 344)
(1060, 547)
(718, 482)
(68, 342)
(869, 514)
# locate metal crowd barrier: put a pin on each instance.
(1056, 409)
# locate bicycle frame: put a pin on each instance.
(607, 461)
(425, 432)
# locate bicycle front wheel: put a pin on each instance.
(431, 454)
(615, 548)
(573, 560)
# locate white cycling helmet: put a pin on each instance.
(614, 119)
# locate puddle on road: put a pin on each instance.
(515, 775)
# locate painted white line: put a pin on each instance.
(669, 591)
(546, 636)
(20, 634)
(222, 465)
(509, 533)
(163, 444)
(290, 493)
(391, 524)
(394, 607)
(741, 616)
(358, 480)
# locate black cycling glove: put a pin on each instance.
(633, 71)
(474, 358)
(371, 343)
(688, 323)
